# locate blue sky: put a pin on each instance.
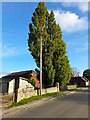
(72, 18)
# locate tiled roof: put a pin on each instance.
(19, 74)
(78, 78)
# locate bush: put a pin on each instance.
(32, 81)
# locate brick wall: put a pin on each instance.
(33, 76)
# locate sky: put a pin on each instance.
(16, 16)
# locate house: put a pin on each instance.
(16, 80)
(79, 81)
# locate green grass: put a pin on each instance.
(33, 98)
(73, 89)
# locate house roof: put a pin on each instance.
(25, 74)
(20, 74)
(85, 79)
(79, 78)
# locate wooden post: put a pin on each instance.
(41, 65)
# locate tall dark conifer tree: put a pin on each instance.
(55, 63)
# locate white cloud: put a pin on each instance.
(70, 22)
(83, 6)
(9, 51)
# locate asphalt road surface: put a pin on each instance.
(74, 105)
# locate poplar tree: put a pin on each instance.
(55, 63)
(60, 59)
(38, 31)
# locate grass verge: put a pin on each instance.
(33, 98)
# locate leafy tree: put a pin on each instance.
(38, 73)
(86, 73)
(32, 81)
(55, 63)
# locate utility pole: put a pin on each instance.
(41, 65)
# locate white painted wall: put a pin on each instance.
(24, 84)
(87, 83)
(11, 86)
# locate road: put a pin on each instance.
(74, 105)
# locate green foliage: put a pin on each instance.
(38, 73)
(55, 63)
(33, 98)
(32, 81)
(86, 73)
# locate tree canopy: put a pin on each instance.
(86, 73)
(55, 63)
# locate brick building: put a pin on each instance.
(15, 79)
(79, 81)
